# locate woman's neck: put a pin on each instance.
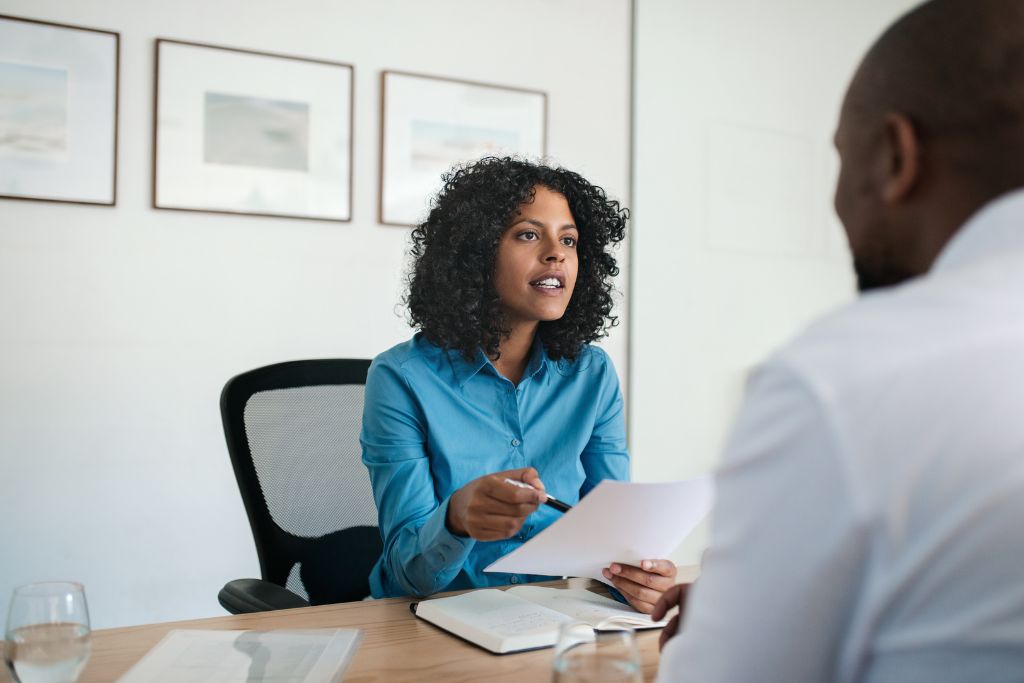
(514, 352)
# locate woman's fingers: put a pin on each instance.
(499, 487)
(507, 493)
(649, 579)
(492, 508)
(643, 586)
(531, 477)
(641, 597)
(527, 475)
(662, 567)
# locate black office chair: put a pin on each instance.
(292, 430)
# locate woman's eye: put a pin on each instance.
(569, 241)
(528, 235)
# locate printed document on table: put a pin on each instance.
(280, 656)
(616, 522)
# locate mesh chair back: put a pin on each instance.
(293, 434)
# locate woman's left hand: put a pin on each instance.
(642, 586)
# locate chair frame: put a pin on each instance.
(288, 375)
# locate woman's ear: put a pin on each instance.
(902, 148)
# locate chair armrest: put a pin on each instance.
(243, 596)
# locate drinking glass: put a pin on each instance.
(47, 633)
(586, 655)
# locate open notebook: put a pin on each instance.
(525, 617)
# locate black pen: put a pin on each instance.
(550, 500)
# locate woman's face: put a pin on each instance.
(536, 265)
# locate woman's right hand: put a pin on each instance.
(491, 509)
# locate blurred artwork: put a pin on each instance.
(258, 132)
(58, 112)
(254, 133)
(436, 145)
(431, 124)
(33, 111)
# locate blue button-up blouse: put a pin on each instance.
(433, 422)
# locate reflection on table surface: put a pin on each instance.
(396, 646)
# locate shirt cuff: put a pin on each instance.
(435, 536)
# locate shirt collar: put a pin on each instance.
(996, 228)
(538, 358)
(464, 370)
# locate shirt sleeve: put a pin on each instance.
(788, 544)
(605, 455)
(421, 556)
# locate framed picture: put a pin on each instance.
(428, 124)
(58, 112)
(245, 132)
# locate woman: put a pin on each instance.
(510, 282)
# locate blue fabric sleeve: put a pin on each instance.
(420, 555)
(605, 455)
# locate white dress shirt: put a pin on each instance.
(869, 523)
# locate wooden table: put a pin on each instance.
(396, 646)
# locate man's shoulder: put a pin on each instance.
(867, 339)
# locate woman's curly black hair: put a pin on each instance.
(451, 296)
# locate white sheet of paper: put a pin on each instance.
(284, 656)
(616, 522)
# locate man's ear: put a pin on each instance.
(903, 151)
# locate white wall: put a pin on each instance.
(120, 325)
(735, 242)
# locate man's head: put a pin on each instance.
(931, 129)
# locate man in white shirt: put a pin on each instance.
(870, 516)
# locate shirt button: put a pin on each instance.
(515, 442)
(515, 579)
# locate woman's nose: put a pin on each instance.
(555, 252)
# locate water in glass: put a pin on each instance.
(47, 633)
(48, 653)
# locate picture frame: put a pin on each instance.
(430, 123)
(238, 131)
(59, 93)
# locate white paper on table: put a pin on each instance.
(281, 656)
(616, 522)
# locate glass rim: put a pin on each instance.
(37, 585)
